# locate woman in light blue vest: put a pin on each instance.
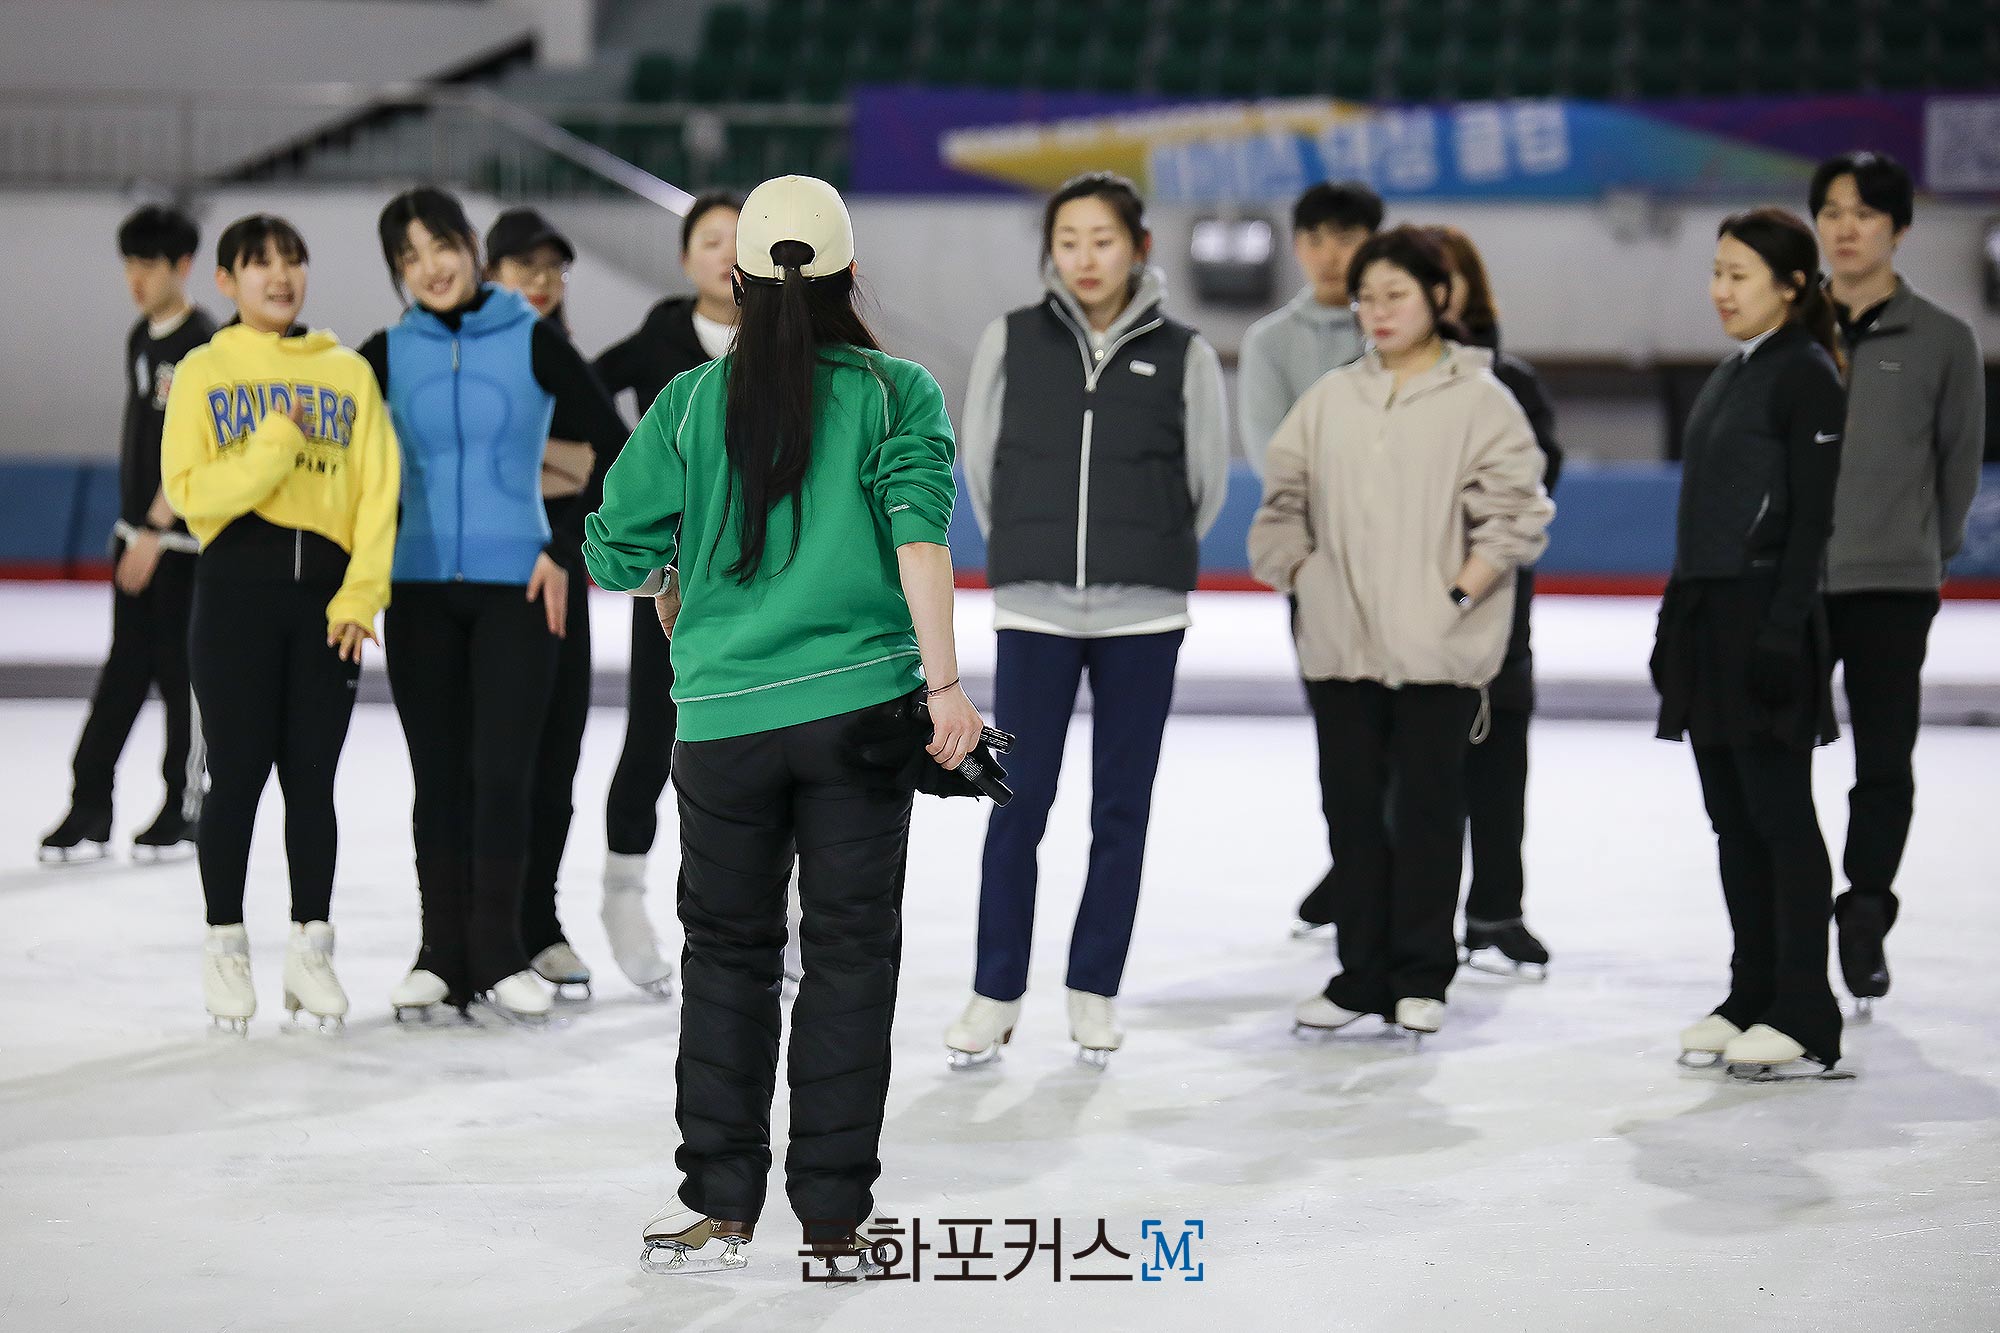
(473, 377)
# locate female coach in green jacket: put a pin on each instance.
(789, 503)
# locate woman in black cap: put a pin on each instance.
(679, 333)
(1742, 663)
(527, 254)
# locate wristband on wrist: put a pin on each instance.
(942, 689)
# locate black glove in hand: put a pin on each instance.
(891, 740)
(1777, 666)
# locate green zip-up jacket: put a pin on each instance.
(817, 632)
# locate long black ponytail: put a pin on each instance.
(768, 429)
(1788, 248)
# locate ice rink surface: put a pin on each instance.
(1541, 1165)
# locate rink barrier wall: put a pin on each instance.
(1613, 533)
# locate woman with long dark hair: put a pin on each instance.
(678, 334)
(1399, 494)
(473, 377)
(1496, 772)
(1096, 455)
(1742, 661)
(791, 501)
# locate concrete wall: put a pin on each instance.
(1569, 287)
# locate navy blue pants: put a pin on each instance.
(1131, 690)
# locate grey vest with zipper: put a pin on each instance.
(1090, 470)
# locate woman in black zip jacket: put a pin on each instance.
(473, 377)
(1096, 453)
(1742, 663)
(678, 334)
(525, 253)
(1496, 771)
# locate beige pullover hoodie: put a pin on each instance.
(1374, 497)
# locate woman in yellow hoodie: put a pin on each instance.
(278, 452)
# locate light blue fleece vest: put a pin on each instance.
(472, 422)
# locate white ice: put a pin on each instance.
(1540, 1165)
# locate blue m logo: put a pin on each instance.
(1177, 1256)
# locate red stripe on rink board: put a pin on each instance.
(1553, 585)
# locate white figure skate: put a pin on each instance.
(985, 1026)
(309, 980)
(225, 979)
(1093, 1026)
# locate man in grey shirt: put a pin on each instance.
(1286, 352)
(1916, 431)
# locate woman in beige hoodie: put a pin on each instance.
(1398, 495)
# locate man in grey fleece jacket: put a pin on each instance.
(1909, 468)
(1286, 352)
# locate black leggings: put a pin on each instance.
(271, 693)
(470, 665)
(1778, 884)
(555, 768)
(632, 810)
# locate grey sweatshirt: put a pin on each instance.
(1106, 610)
(1283, 355)
(1909, 466)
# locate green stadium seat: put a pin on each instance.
(1902, 71)
(816, 78)
(1353, 75)
(1056, 67)
(1124, 25)
(1962, 67)
(1111, 69)
(1530, 72)
(1714, 76)
(955, 26)
(1592, 77)
(1416, 76)
(656, 77)
(1240, 74)
(1826, 69)
(1305, 26)
(1475, 74)
(1296, 73)
(1000, 67)
(1657, 74)
(1538, 25)
(1597, 28)
(725, 28)
(1178, 74)
(710, 78)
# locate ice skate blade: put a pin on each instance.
(961, 1061)
(146, 855)
(1094, 1057)
(1503, 966)
(325, 1025)
(83, 854)
(857, 1267)
(1305, 930)
(570, 992)
(428, 1015)
(228, 1027)
(1799, 1071)
(672, 1259)
(1699, 1060)
(1864, 1008)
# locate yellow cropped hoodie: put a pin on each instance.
(229, 448)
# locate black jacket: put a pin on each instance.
(1514, 688)
(149, 372)
(1760, 461)
(664, 346)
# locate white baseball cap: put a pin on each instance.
(794, 208)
